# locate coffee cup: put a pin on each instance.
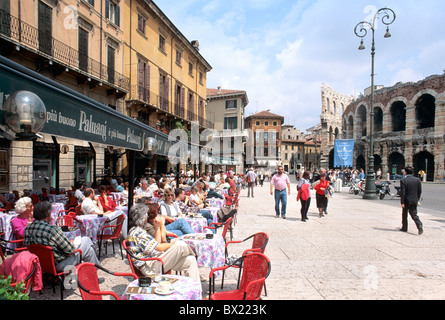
(164, 286)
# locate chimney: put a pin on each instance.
(195, 44)
(219, 89)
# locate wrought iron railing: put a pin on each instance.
(13, 29)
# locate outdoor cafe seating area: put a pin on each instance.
(212, 241)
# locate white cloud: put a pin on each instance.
(281, 51)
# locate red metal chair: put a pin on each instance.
(259, 243)
(5, 248)
(114, 236)
(227, 226)
(88, 282)
(47, 263)
(131, 258)
(256, 268)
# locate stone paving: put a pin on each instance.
(354, 253)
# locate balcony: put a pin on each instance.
(22, 35)
(143, 95)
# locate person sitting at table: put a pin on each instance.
(195, 200)
(91, 203)
(124, 196)
(172, 215)
(180, 197)
(153, 219)
(143, 191)
(176, 255)
(202, 193)
(213, 194)
(24, 208)
(41, 231)
(78, 192)
(105, 201)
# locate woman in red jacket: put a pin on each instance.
(105, 200)
(320, 187)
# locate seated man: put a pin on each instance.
(143, 191)
(91, 203)
(176, 255)
(40, 231)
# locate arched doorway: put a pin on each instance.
(361, 163)
(424, 161)
(378, 119)
(398, 116)
(362, 119)
(396, 163)
(377, 162)
(425, 111)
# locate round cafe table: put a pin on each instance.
(184, 288)
(209, 252)
(216, 202)
(197, 224)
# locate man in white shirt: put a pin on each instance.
(91, 205)
(143, 191)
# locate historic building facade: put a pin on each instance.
(226, 110)
(409, 128)
(125, 55)
(266, 141)
(333, 105)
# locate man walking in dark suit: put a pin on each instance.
(411, 190)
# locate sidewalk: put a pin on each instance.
(355, 252)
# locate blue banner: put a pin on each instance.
(343, 153)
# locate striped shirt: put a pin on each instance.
(41, 232)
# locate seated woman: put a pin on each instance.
(172, 215)
(176, 255)
(195, 200)
(105, 200)
(24, 208)
(180, 201)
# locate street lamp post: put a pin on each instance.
(361, 30)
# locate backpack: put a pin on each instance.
(225, 213)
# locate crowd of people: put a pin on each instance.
(154, 226)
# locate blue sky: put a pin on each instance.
(281, 51)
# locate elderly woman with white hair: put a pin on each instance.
(24, 208)
(176, 255)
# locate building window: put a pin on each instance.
(275, 123)
(112, 12)
(201, 77)
(231, 104)
(257, 123)
(231, 123)
(266, 123)
(141, 23)
(178, 56)
(161, 43)
(190, 68)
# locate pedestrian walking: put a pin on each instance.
(304, 194)
(280, 181)
(410, 193)
(251, 178)
(320, 187)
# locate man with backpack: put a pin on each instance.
(250, 179)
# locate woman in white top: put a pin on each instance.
(195, 199)
(171, 213)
